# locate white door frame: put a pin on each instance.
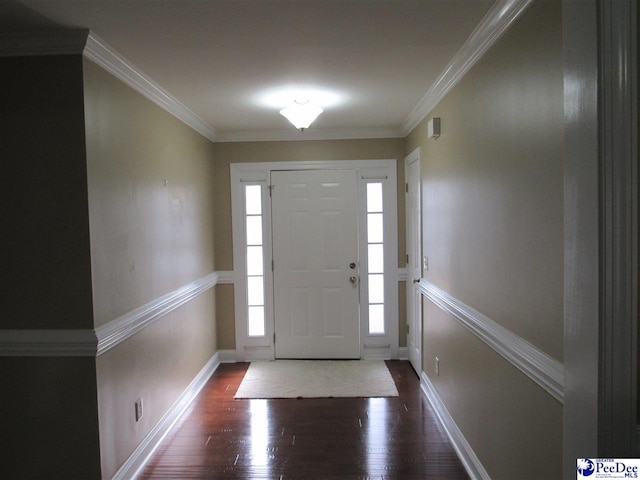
(258, 173)
(414, 325)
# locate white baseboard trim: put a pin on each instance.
(403, 353)
(141, 455)
(227, 356)
(546, 371)
(467, 456)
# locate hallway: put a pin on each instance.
(356, 438)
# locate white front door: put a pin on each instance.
(315, 255)
(414, 264)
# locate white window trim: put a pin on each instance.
(371, 346)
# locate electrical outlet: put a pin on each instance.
(138, 409)
(437, 367)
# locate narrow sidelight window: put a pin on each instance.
(255, 260)
(375, 258)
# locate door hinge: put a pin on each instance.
(407, 328)
(271, 187)
(274, 338)
(406, 187)
(272, 266)
(407, 259)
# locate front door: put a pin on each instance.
(315, 255)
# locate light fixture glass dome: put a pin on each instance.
(301, 114)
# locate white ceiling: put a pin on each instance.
(219, 58)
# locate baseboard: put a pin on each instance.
(141, 455)
(467, 456)
(227, 356)
(403, 353)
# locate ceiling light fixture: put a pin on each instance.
(301, 114)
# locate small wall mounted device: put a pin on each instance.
(433, 127)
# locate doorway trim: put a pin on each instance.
(259, 173)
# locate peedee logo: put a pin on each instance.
(608, 468)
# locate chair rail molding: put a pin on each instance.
(546, 371)
(95, 342)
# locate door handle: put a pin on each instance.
(353, 280)
(416, 280)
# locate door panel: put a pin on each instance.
(314, 222)
(414, 267)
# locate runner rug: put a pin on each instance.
(317, 379)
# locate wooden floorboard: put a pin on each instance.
(328, 438)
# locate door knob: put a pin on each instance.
(353, 280)
(352, 265)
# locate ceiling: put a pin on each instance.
(233, 63)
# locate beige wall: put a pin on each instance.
(49, 405)
(147, 239)
(493, 231)
(228, 153)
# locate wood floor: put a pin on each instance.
(332, 438)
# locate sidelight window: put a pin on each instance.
(375, 258)
(255, 260)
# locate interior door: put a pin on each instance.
(414, 267)
(315, 254)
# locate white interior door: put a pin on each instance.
(414, 265)
(315, 243)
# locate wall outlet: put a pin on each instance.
(138, 409)
(437, 367)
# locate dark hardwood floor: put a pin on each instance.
(346, 438)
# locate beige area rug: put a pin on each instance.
(317, 379)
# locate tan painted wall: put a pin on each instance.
(228, 153)
(147, 239)
(493, 230)
(48, 409)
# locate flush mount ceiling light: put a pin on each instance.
(301, 114)
(296, 98)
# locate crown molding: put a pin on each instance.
(51, 42)
(291, 134)
(495, 23)
(99, 52)
(546, 371)
(83, 42)
(66, 42)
